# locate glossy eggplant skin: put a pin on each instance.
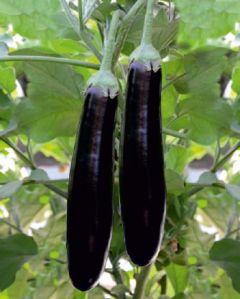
(142, 183)
(89, 209)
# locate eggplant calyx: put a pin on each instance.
(106, 81)
(147, 55)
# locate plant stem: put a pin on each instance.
(194, 191)
(148, 24)
(50, 59)
(225, 158)
(163, 284)
(86, 38)
(82, 34)
(173, 81)
(231, 219)
(116, 273)
(71, 19)
(62, 262)
(141, 282)
(87, 16)
(109, 47)
(11, 225)
(216, 184)
(132, 12)
(56, 190)
(28, 182)
(174, 133)
(31, 165)
(126, 25)
(80, 14)
(105, 290)
(199, 187)
(18, 152)
(232, 232)
(216, 167)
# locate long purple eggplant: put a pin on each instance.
(142, 183)
(89, 219)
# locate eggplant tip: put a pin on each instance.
(85, 285)
(142, 261)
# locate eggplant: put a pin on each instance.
(89, 208)
(142, 182)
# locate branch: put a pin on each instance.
(174, 133)
(217, 184)
(148, 24)
(50, 59)
(80, 15)
(116, 273)
(62, 262)
(109, 46)
(141, 282)
(19, 153)
(199, 187)
(232, 232)
(126, 25)
(30, 164)
(225, 158)
(56, 190)
(105, 290)
(132, 12)
(173, 81)
(214, 169)
(85, 37)
(71, 19)
(11, 225)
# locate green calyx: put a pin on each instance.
(147, 55)
(106, 81)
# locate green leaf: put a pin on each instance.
(178, 276)
(38, 175)
(80, 295)
(19, 287)
(204, 21)
(15, 250)
(227, 291)
(3, 49)
(203, 70)
(55, 230)
(236, 79)
(233, 190)
(207, 120)
(88, 7)
(11, 128)
(68, 47)
(7, 79)
(164, 32)
(205, 115)
(53, 107)
(175, 183)
(59, 289)
(9, 189)
(226, 254)
(119, 290)
(104, 11)
(207, 178)
(176, 158)
(5, 107)
(42, 20)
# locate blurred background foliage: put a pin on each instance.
(40, 107)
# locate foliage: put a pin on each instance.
(199, 45)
